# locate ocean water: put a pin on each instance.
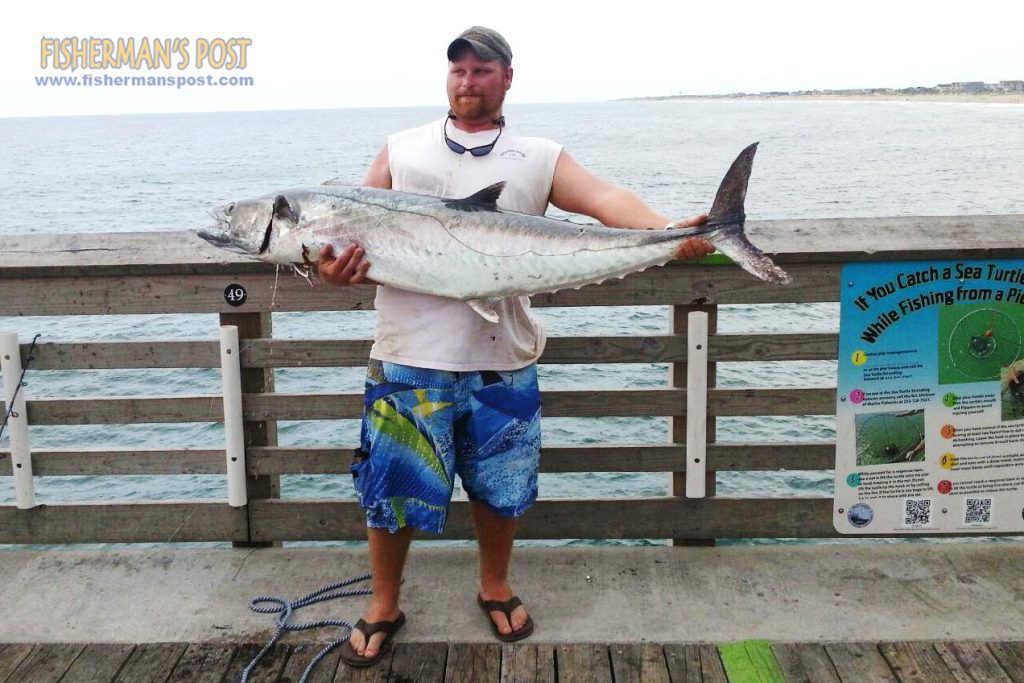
(164, 172)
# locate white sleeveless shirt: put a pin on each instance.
(445, 334)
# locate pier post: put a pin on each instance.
(256, 432)
(696, 403)
(17, 424)
(679, 325)
(234, 435)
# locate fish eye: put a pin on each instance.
(230, 209)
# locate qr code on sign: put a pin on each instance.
(977, 511)
(918, 512)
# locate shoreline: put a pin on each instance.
(961, 98)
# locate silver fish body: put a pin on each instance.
(469, 249)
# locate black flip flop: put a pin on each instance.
(505, 608)
(389, 628)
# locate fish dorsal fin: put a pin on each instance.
(484, 200)
(335, 181)
(728, 206)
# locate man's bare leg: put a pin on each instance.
(387, 559)
(495, 534)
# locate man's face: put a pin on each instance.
(476, 89)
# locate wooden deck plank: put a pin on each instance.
(636, 662)
(104, 521)
(46, 663)
(203, 663)
(379, 672)
(256, 406)
(914, 662)
(931, 662)
(300, 657)
(114, 293)
(859, 662)
(98, 662)
(683, 662)
(151, 663)
(970, 661)
(528, 663)
(805, 663)
(750, 660)
(694, 663)
(267, 670)
(11, 656)
(266, 460)
(979, 661)
(815, 240)
(1011, 657)
(583, 663)
(661, 517)
(473, 662)
(711, 666)
(330, 353)
(419, 662)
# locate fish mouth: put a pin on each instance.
(216, 235)
(219, 235)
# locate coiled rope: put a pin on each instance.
(285, 610)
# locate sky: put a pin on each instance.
(390, 53)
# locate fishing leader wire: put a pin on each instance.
(21, 383)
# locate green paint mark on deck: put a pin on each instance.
(750, 661)
(715, 259)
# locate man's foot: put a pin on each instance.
(374, 613)
(509, 618)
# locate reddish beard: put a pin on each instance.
(471, 106)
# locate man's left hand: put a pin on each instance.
(693, 248)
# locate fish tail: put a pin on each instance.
(727, 218)
(732, 193)
(733, 242)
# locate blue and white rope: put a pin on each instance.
(285, 610)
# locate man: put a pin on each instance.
(447, 391)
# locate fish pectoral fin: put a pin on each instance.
(283, 210)
(485, 307)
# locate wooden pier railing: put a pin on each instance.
(149, 273)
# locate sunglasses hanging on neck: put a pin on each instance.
(480, 151)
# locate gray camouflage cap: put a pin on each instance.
(487, 43)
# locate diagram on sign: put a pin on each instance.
(890, 438)
(977, 343)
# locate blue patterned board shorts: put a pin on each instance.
(421, 427)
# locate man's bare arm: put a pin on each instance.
(349, 268)
(379, 174)
(577, 190)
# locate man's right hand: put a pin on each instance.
(348, 268)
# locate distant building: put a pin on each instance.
(969, 86)
(945, 87)
(1011, 86)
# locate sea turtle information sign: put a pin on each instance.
(930, 414)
